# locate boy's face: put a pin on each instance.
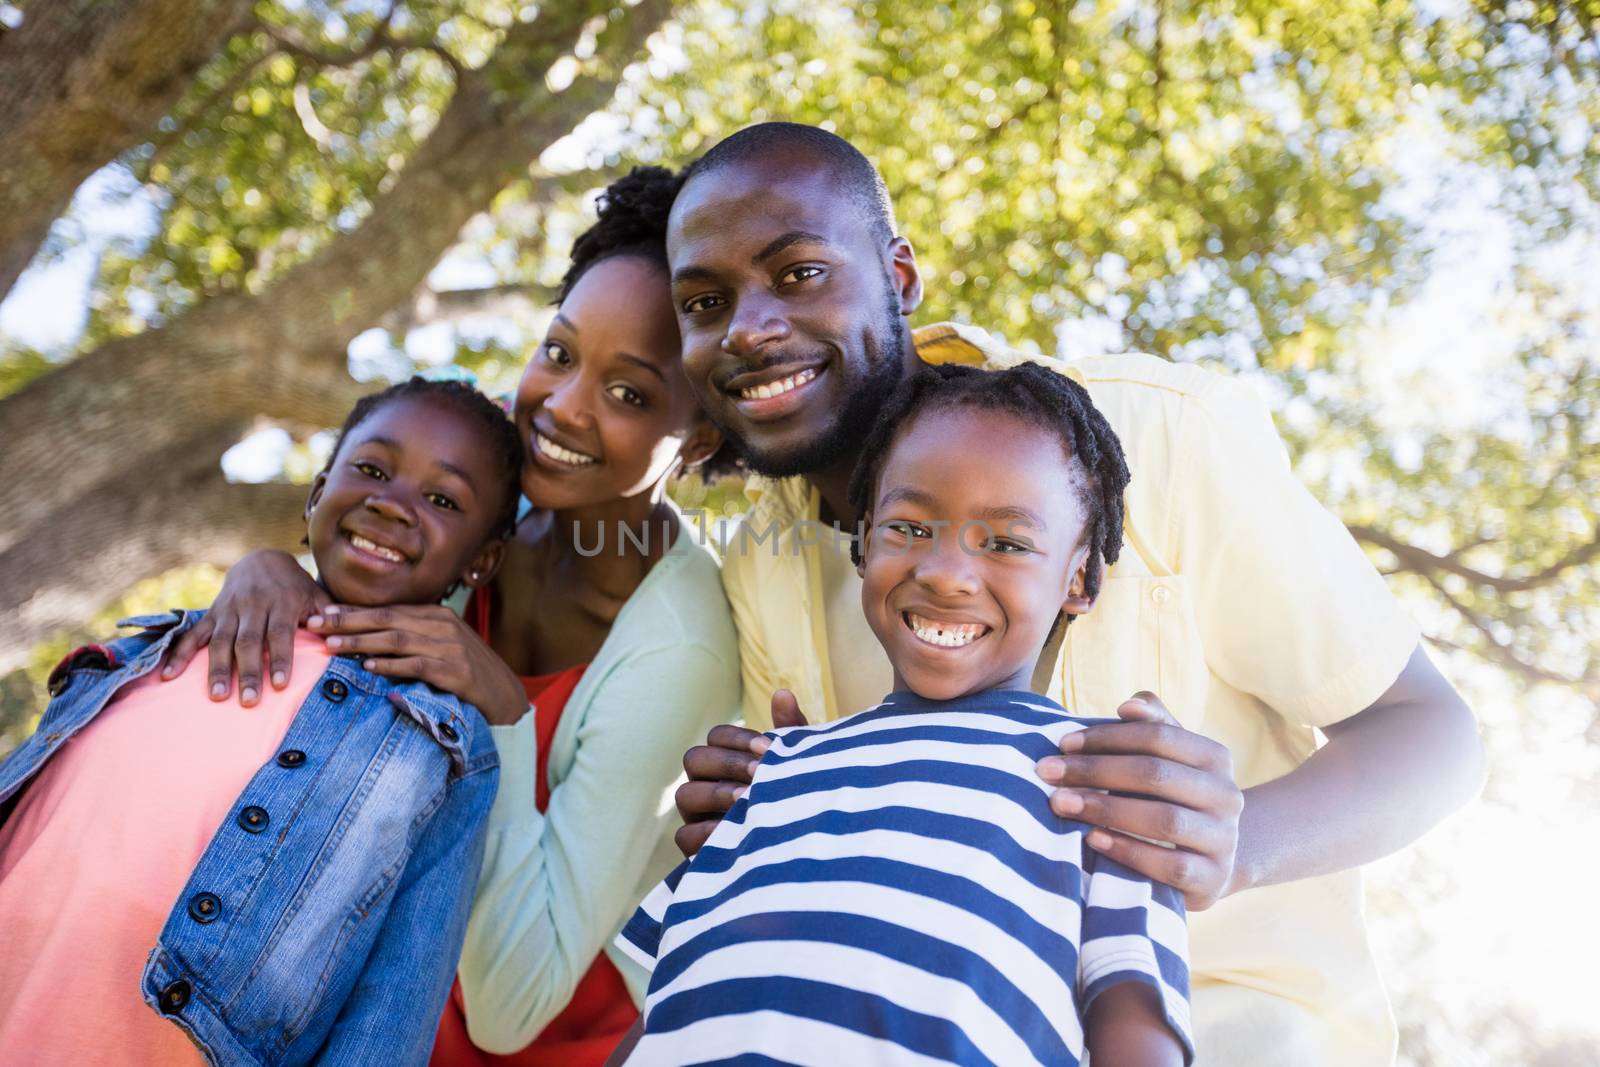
(407, 507)
(974, 542)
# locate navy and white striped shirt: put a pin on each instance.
(894, 889)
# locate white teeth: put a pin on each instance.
(563, 455)
(382, 551)
(945, 634)
(772, 389)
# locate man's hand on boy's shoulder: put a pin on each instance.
(721, 769)
(1187, 798)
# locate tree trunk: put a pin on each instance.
(173, 511)
(128, 406)
(80, 81)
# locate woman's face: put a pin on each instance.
(604, 408)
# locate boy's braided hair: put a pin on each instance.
(468, 400)
(1041, 396)
(633, 222)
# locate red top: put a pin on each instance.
(590, 1027)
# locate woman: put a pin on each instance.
(607, 615)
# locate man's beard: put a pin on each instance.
(844, 437)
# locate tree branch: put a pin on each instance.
(179, 511)
(230, 85)
(282, 352)
(82, 83)
(290, 43)
(456, 305)
(1420, 561)
(1498, 651)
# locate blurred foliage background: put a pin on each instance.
(1383, 214)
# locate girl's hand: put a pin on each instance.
(430, 643)
(266, 595)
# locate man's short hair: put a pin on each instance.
(851, 170)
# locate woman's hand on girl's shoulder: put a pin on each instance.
(428, 643)
(264, 598)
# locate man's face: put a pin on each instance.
(790, 310)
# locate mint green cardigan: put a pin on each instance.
(557, 887)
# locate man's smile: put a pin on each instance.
(769, 394)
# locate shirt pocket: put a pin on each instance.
(1140, 635)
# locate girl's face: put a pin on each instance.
(407, 507)
(974, 543)
(604, 409)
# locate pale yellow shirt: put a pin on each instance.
(1238, 599)
(860, 671)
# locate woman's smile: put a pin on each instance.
(555, 455)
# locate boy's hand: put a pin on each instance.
(265, 597)
(1194, 803)
(430, 643)
(721, 769)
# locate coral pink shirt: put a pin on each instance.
(98, 848)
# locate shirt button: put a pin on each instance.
(174, 997)
(291, 757)
(448, 731)
(254, 819)
(204, 908)
(335, 690)
(1160, 594)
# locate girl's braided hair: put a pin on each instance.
(633, 222)
(506, 447)
(1039, 395)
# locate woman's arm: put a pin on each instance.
(556, 886)
(265, 596)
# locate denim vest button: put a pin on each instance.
(204, 908)
(448, 731)
(174, 997)
(291, 757)
(335, 690)
(254, 819)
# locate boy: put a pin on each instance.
(894, 888)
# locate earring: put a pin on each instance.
(474, 575)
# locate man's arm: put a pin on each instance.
(1291, 613)
(1385, 777)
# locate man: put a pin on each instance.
(1238, 600)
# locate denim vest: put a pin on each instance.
(334, 937)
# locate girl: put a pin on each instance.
(608, 615)
(301, 869)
